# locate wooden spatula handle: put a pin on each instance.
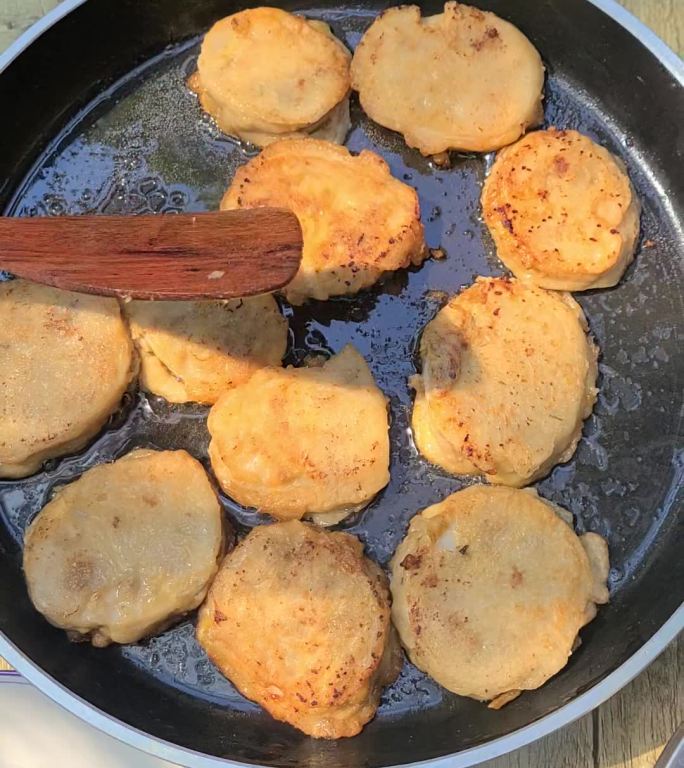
(224, 254)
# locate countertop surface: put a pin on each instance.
(629, 731)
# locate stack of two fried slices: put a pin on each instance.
(265, 74)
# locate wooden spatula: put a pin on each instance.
(188, 256)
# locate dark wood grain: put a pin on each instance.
(225, 254)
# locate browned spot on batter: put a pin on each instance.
(411, 562)
(516, 578)
(507, 223)
(219, 616)
(151, 501)
(561, 165)
(414, 618)
(59, 322)
(430, 581)
(490, 34)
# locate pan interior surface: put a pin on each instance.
(110, 127)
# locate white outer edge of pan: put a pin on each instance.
(611, 8)
(561, 717)
(469, 757)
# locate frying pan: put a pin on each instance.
(95, 117)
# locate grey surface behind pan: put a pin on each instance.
(144, 146)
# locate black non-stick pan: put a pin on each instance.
(96, 118)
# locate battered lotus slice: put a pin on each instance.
(509, 375)
(490, 588)
(297, 442)
(194, 350)
(299, 621)
(265, 74)
(67, 360)
(463, 79)
(562, 211)
(125, 550)
(358, 222)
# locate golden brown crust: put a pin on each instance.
(67, 360)
(490, 588)
(562, 211)
(463, 79)
(298, 442)
(126, 549)
(299, 620)
(508, 377)
(358, 222)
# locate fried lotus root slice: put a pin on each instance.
(67, 359)
(562, 211)
(299, 621)
(463, 79)
(508, 377)
(358, 222)
(125, 550)
(192, 351)
(296, 442)
(490, 588)
(265, 74)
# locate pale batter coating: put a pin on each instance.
(463, 79)
(125, 550)
(265, 74)
(192, 351)
(297, 442)
(508, 377)
(299, 621)
(490, 588)
(66, 362)
(358, 222)
(562, 211)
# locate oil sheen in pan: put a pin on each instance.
(144, 147)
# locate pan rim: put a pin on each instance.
(560, 718)
(165, 750)
(646, 36)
